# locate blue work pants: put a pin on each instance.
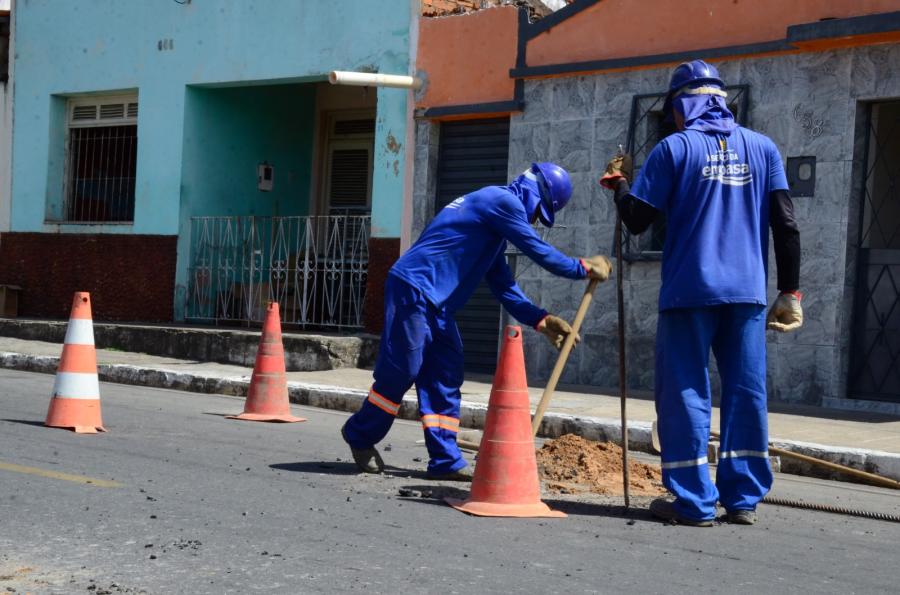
(420, 345)
(736, 335)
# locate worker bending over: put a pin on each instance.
(719, 186)
(420, 343)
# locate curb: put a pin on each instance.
(472, 415)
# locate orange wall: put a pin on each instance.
(466, 59)
(626, 28)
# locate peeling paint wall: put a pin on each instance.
(158, 48)
(663, 26)
(466, 59)
(164, 51)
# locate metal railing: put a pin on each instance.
(314, 267)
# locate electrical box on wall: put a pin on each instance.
(265, 177)
(801, 176)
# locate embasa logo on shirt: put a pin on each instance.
(456, 203)
(724, 167)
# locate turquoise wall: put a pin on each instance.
(227, 132)
(160, 48)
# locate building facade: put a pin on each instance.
(190, 161)
(821, 81)
(6, 103)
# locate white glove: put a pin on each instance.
(786, 314)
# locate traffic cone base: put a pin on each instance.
(505, 482)
(537, 509)
(267, 399)
(75, 403)
(81, 415)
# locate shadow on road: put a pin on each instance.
(335, 468)
(26, 422)
(344, 468)
(436, 493)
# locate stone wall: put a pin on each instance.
(809, 104)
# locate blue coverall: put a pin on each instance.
(420, 342)
(712, 181)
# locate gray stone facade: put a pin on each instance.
(809, 104)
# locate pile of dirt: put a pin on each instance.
(571, 464)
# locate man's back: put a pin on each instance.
(714, 191)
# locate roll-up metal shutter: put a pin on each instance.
(473, 154)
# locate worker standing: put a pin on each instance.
(420, 343)
(719, 186)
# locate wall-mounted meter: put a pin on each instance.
(265, 177)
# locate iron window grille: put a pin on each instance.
(875, 352)
(101, 160)
(646, 128)
(4, 48)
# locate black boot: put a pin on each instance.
(741, 517)
(664, 509)
(367, 459)
(464, 474)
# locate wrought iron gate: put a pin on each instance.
(875, 355)
(314, 267)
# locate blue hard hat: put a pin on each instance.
(555, 187)
(695, 73)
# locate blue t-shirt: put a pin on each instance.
(467, 241)
(714, 191)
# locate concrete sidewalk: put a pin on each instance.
(863, 440)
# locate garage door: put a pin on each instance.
(474, 153)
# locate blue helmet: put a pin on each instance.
(696, 73)
(555, 187)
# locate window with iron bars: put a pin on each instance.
(647, 127)
(4, 48)
(101, 160)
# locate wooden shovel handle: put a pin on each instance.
(563, 356)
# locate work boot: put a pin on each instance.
(464, 474)
(665, 510)
(741, 517)
(367, 459)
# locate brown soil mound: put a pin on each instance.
(571, 464)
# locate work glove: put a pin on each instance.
(556, 330)
(619, 167)
(785, 315)
(597, 267)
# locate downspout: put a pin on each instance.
(374, 79)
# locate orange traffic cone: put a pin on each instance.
(76, 392)
(506, 482)
(268, 396)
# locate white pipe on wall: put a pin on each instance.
(373, 79)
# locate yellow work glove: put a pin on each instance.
(597, 267)
(619, 167)
(785, 315)
(556, 330)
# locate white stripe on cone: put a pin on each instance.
(80, 332)
(76, 385)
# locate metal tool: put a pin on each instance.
(568, 344)
(623, 385)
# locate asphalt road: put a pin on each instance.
(183, 500)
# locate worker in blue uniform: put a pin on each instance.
(720, 187)
(420, 344)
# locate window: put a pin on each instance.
(348, 166)
(101, 160)
(646, 129)
(4, 48)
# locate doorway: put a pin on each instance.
(875, 354)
